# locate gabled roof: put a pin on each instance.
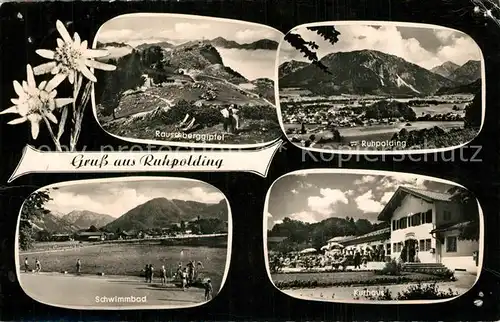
(379, 232)
(397, 198)
(87, 233)
(451, 227)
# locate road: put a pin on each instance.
(81, 291)
(254, 95)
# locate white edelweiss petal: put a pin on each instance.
(72, 76)
(53, 94)
(54, 82)
(17, 121)
(45, 53)
(60, 102)
(35, 124)
(12, 109)
(30, 76)
(60, 42)
(51, 105)
(99, 65)
(51, 117)
(15, 101)
(42, 85)
(78, 40)
(95, 53)
(83, 46)
(25, 86)
(86, 72)
(56, 69)
(63, 32)
(19, 90)
(44, 68)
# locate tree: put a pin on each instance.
(471, 213)
(308, 48)
(474, 112)
(32, 210)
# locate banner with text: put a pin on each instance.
(255, 161)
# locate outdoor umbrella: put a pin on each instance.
(326, 247)
(308, 251)
(336, 245)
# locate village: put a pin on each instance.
(183, 229)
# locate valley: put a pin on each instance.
(370, 96)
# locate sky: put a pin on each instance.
(317, 196)
(148, 28)
(423, 46)
(115, 198)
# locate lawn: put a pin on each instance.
(130, 259)
(345, 279)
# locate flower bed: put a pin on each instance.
(347, 279)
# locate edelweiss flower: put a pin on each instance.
(71, 57)
(34, 103)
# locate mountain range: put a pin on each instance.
(71, 222)
(163, 212)
(158, 212)
(374, 72)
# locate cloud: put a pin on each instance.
(117, 199)
(386, 197)
(328, 198)
(187, 30)
(392, 183)
(277, 222)
(455, 46)
(251, 35)
(367, 204)
(295, 191)
(111, 35)
(306, 216)
(364, 180)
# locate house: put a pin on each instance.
(427, 224)
(90, 236)
(376, 239)
(275, 239)
(61, 237)
(126, 235)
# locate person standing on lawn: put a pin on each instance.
(26, 265)
(357, 259)
(146, 273)
(151, 273)
(38, 266)
(228, 119)
(184, 279)
(163, 275)
(78, 266)
(208, 290)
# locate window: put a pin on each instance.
(451, 244)
(394, 225)
(427, 245)
(447, 215)
(428, 216)
(421, 245)
(388, 248)
(394, 248)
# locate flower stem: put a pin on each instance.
(78, 111)
(76, 90)
(56, 141)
